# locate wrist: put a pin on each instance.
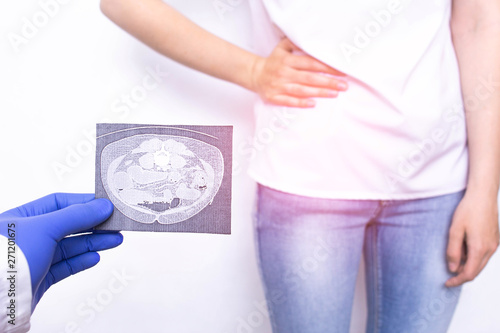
(483, 185)
(482, 192)
(249, 77)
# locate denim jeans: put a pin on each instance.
(310, 249)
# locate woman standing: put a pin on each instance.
(404, 164)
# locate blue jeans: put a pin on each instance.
(310, 250)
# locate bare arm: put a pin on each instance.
(475, 27)
(281, 78)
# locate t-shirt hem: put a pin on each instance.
(355, 195)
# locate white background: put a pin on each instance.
(68, 76)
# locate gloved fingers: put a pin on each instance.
(70, 266)
(75, 218)
(73, 246)
(49, 203)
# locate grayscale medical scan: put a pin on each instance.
(165, 178)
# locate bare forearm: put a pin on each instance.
(167, 31)
(478, 52)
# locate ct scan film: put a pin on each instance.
(165, 178)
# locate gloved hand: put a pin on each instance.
(40, 230)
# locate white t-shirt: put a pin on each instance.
(397, 133)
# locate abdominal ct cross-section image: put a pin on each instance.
(163, 178)
(168, 178)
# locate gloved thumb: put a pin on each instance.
(76, 218)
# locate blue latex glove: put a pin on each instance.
(41, 227)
